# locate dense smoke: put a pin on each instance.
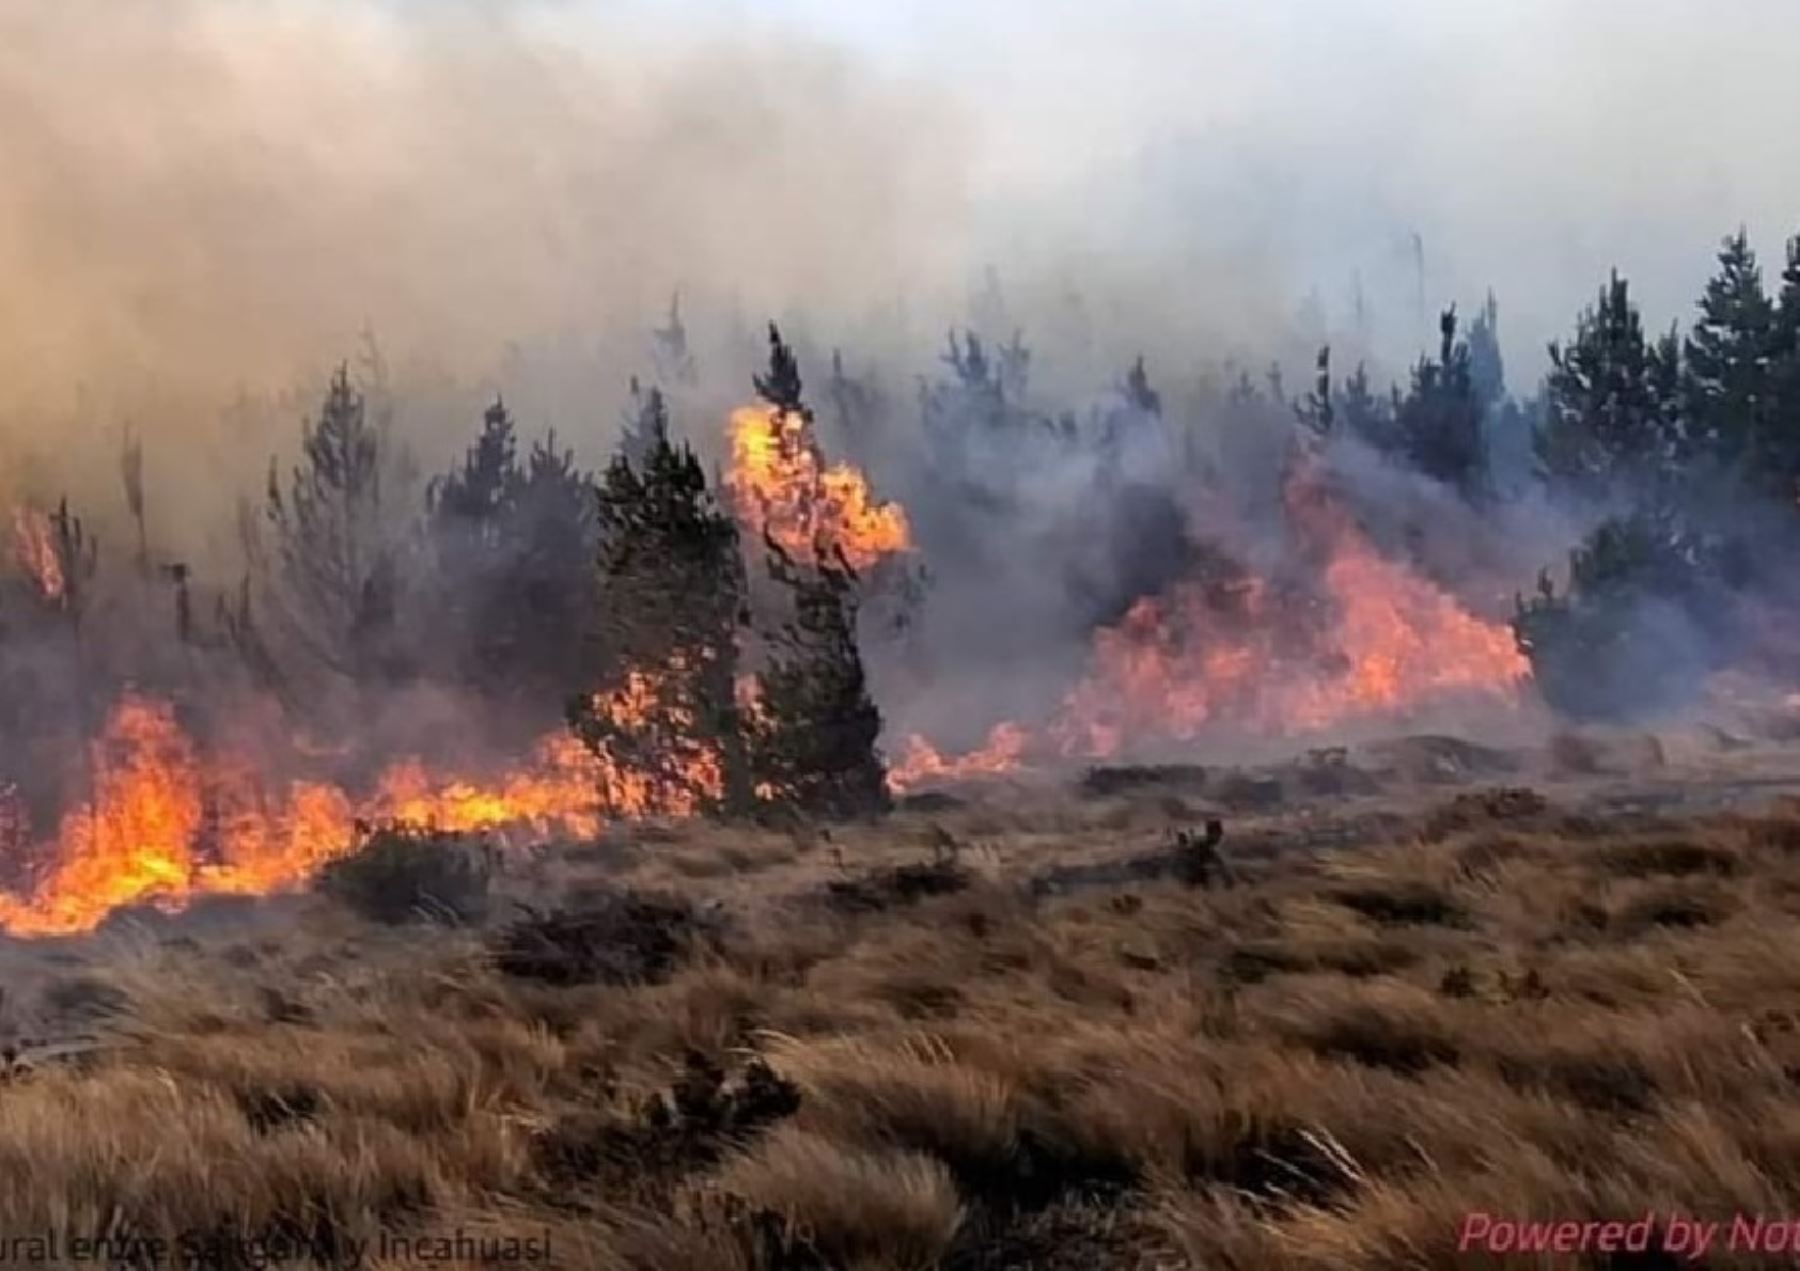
(205, 196)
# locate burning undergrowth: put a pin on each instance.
(543, 648)
(243, 759)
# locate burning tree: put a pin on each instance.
(671, 593)
(815, 727)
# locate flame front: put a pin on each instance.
(165, 825)
(782, 487)
(1393, 641)
(1370, 638)
(920, 761)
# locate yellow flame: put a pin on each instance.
(781, 486)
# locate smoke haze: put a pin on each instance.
(204, 197)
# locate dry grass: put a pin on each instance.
(1407, 1008)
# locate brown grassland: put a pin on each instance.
(1006, 1028)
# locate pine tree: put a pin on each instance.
(816, 726)
(1366, 415)
(514, 547)
(1779, 455)
(1138, 393)
(856, 405)
(645, 425)
(669, 345)
(661, 699)
(1316, 410)
(468, 503)
(335, 567)
(1644, 614)
(1439, 420)
(550, 588)
(1727, 361)
(1611, 402)
(1487, 369)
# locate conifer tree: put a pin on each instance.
(1779, 454)
(1728, 360)
(468, 502)
(645, 424)
(856, 404)
(1315, 409)
(1366, 415)
(335, 567)
(674, 359)
(1611, 402)
(816, 726)
(1487, 369)
(1642, 616)
(1439, 421)
(514, 548)
(671, 600)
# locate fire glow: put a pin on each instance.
(166, 820)
(1185, 662)
(782, 487)
(34, 550)
(166, 824)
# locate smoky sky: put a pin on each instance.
(205, 197)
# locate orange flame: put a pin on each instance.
(782, 487)
(164, 826)
(34, 548)
(690, 769)
(921, 762)
(1166, 671)
(1199, 657)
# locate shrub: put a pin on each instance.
(609, 938)
(1642, 620)
(402, 873)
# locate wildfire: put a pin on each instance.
(1394, 641)
(683, 770)
(166, 824)
(34, 549)
(1371, 638)
(781, 486)
(920, 761)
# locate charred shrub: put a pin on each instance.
(1403, 903)
(900, 885)
(1673, 857)
(1364, 1034)
(1483, 807)
(608, 938)
(403, 873)
(670, 1134)
(1103, 780)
